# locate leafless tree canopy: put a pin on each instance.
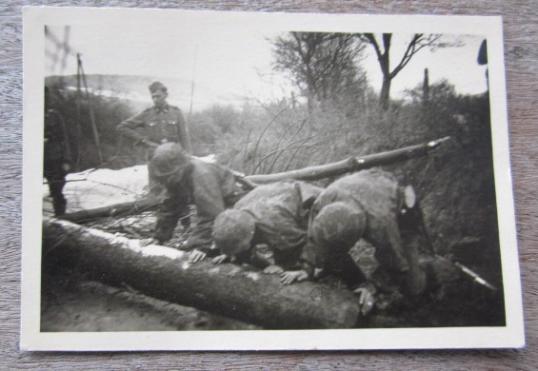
(323, 65)
(382, 46)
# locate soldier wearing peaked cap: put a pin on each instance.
(161, 123)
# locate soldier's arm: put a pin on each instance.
(258, 260)
(308, 262)
(129, 126)
(167, 218)
(183, 132)
(209, 202)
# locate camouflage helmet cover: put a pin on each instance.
(233, 231)
(338, 224)
(168, 159)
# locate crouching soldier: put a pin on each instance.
(275, 215)
(370, 205)
(211, 187)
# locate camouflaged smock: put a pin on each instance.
(280, 211)
(377, 193)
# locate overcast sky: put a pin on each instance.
(232, 62)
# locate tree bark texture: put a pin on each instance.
(124, 208)
(351, 164)
(165, 273)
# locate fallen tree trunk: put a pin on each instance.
(350, 164)
(226, 289)
(309, 173)
(124, 208)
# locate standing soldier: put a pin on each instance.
(57, 157)
(156, 125)
(273, 214)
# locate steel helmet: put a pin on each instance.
(168, 159)
(338, 225)
(233, 231)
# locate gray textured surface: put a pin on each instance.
(521, 53)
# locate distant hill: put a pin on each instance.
(129, 87)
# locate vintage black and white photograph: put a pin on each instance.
(193, 179)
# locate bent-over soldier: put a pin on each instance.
(371, 205)
(275, 215)
(211, 187)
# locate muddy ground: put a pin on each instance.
(83, 305)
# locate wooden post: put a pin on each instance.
(426, 88)
(92, 114)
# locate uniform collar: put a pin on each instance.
(162, 109)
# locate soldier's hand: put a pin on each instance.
(66, 167)
(288, 277)
(366, 300)
(273, 269)
(219, 259)
(197, 256)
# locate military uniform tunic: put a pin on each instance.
(56, 156)
(280, 211)
(377, 193)
(212, 189)
(158, 125)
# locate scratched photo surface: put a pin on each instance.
(206, 175)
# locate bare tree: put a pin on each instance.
(382, 49)
(323, 65)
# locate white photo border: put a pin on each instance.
(509, 336)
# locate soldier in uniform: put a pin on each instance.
(211, 187)
(57, 159)
(371, 205)
(275, 215)
(156, 125)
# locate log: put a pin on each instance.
(124, 208)
(351, 164)
(309, 173)
(165, 273)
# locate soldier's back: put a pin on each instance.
(375, 190)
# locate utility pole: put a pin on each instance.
(79, 127)
(192, 81)
(90, 107)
